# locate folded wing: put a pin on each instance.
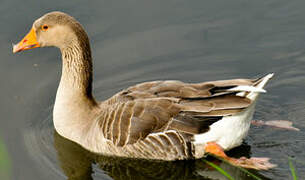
(158, 106)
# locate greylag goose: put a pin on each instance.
(163, 120)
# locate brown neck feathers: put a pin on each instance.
(77, 64)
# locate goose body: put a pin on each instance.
(151, 121)
(165, 120)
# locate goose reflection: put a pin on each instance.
(80, 164)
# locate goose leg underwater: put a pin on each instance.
(165, 120)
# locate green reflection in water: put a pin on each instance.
(5, 163)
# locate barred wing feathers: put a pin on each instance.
(159, 106)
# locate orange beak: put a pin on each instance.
(28, 42)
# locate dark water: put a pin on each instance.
(135, 41)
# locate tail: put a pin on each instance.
(253, 91)
(261, 82)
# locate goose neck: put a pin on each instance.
(77, 69)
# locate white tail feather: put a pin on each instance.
(247, 89)
(254, 95)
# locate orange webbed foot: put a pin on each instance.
(252, 163)
(258, 163)
(281, 124)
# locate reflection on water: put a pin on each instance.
(5, 169)
(77, 163)
(65, 159)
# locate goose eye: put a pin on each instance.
(45, 27)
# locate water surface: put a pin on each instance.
(135, 41)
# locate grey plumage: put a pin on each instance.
(151, 120)
(157, 120)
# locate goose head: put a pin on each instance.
(52, 29)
